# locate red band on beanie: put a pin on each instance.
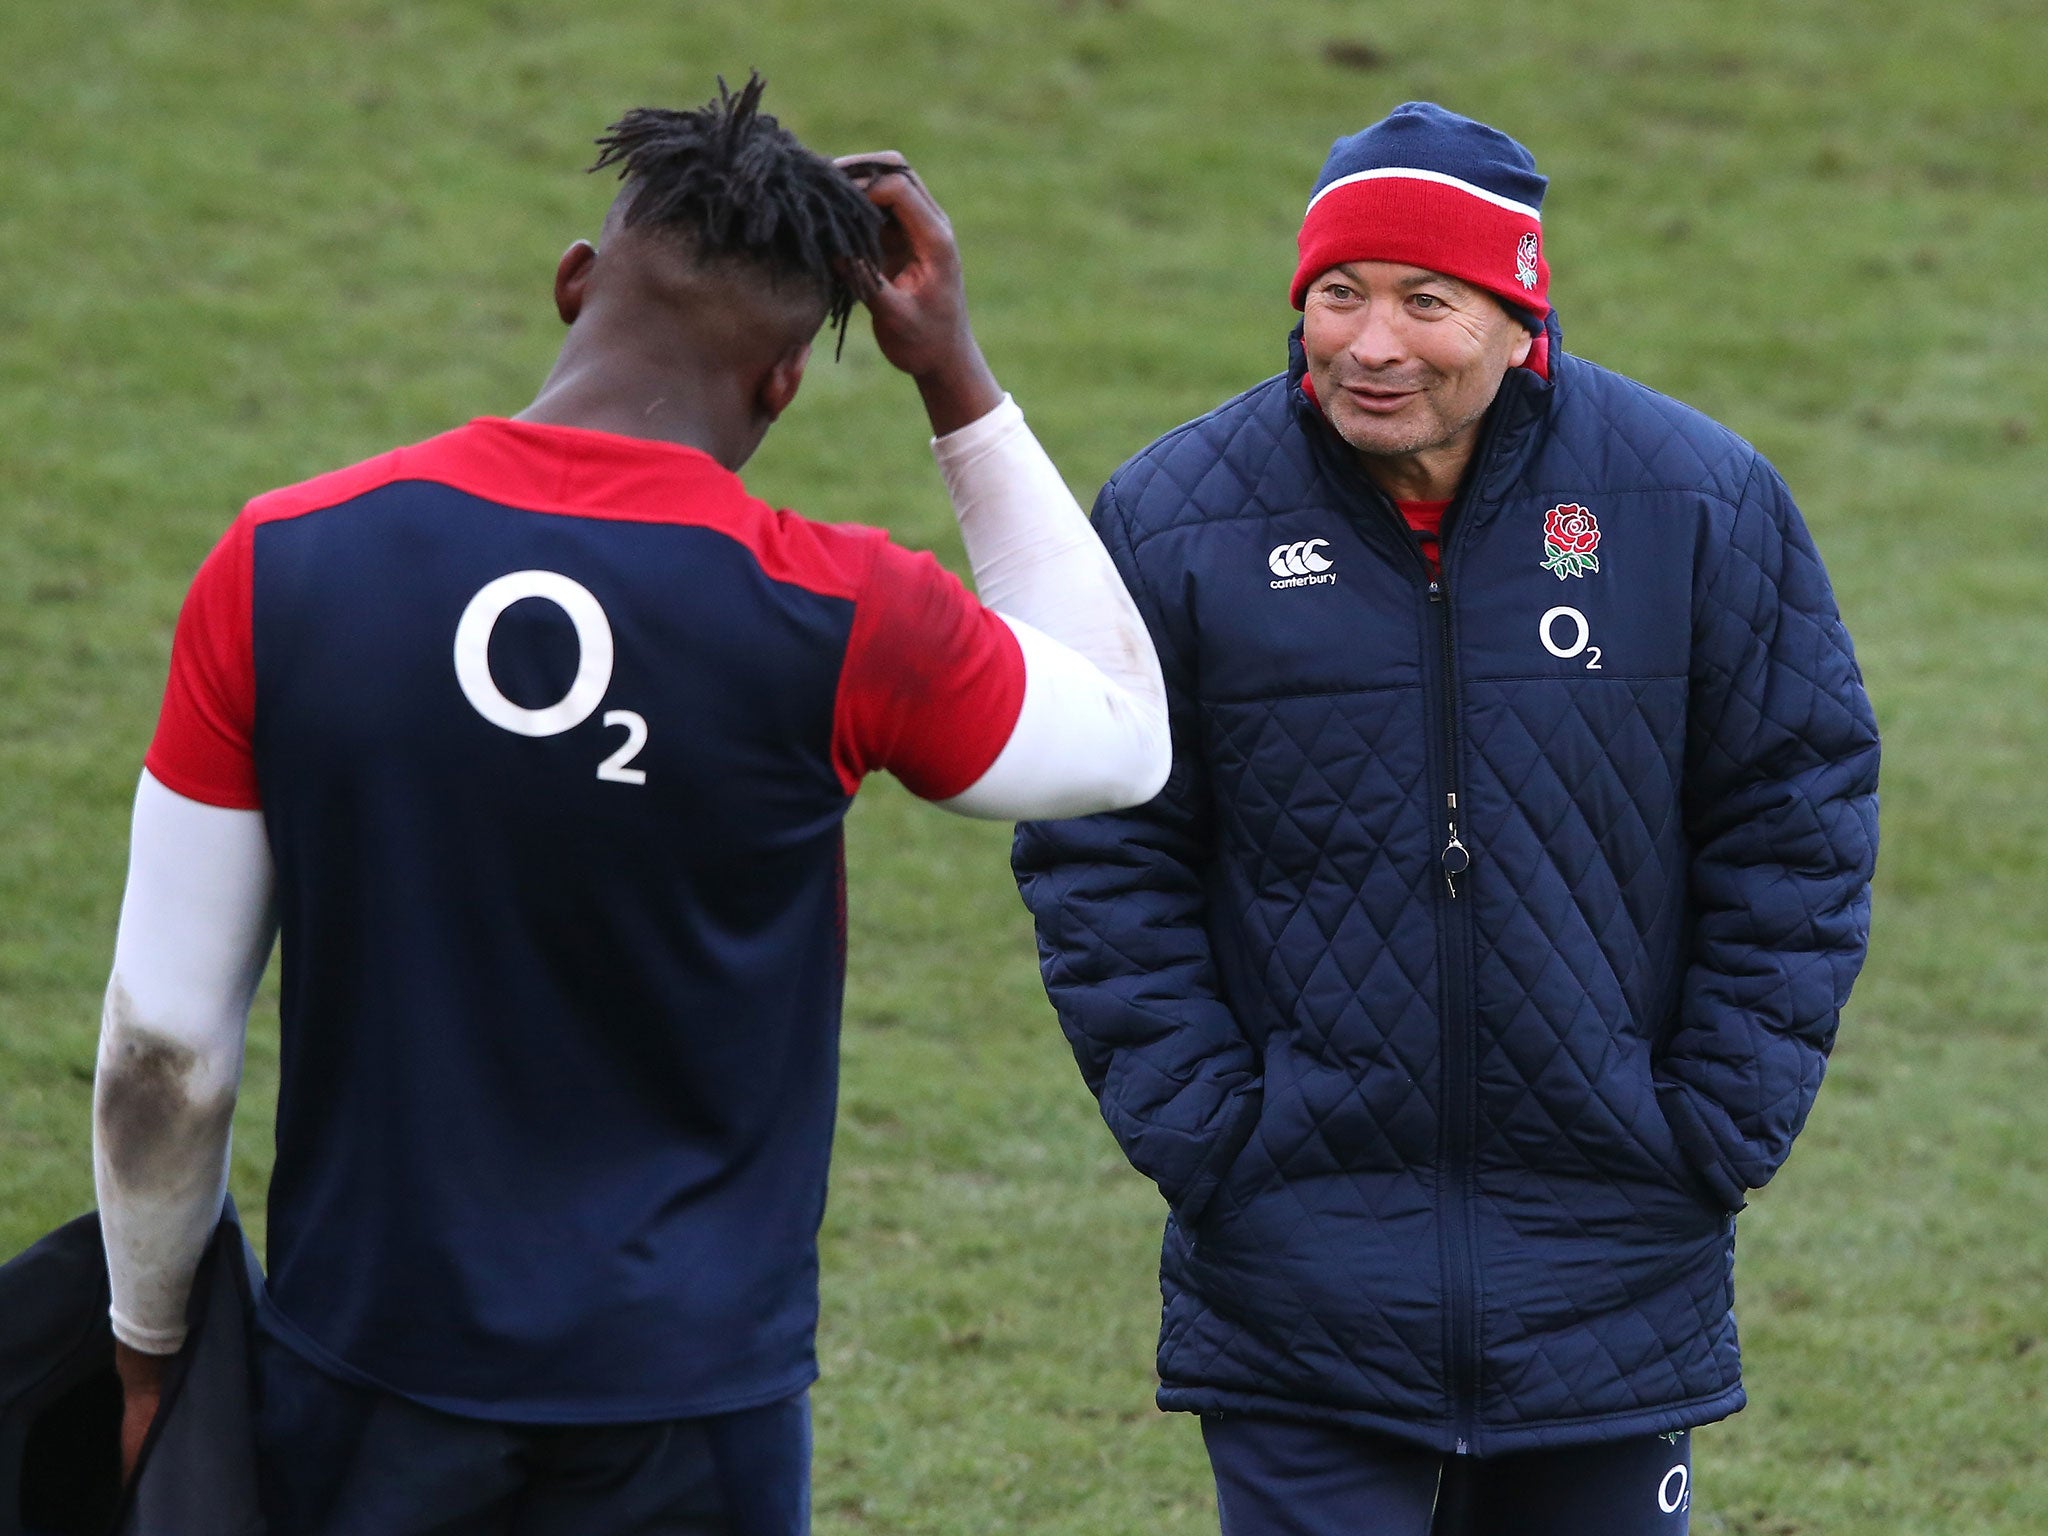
(1424, 219)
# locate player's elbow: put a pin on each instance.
(1113, 743)
(1107, 759)
(1152, 767)
(1124, 766)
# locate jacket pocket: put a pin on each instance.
(1707, 1186)
(1659, 1151)
(1224, 1152)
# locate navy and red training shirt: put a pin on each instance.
(553, 733)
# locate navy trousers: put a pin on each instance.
(336, 1459)
(1275, 1477)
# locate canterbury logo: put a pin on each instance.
(1301, 564)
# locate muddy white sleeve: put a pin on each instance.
(196, 929)
(1092, 734)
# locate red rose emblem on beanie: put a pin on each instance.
(1570, 535)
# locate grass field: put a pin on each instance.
(248, 240)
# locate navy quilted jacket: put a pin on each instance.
(1488, 939)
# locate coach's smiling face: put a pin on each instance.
(1405, 363)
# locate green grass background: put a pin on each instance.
(247, 240)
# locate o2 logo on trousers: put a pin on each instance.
(1675, 1492)
(586, 690)
(1575, 633)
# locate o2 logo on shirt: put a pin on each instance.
(586, 691)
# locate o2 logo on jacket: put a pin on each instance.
(586, 690)
(1565, 633)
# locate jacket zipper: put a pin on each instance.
(1460, 1028)
(1460, 1088)
(1459, 1048)
(1455, 957)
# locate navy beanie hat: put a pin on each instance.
(1428, 188)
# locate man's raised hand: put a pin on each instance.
(920, 303)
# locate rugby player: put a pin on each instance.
(534, 742)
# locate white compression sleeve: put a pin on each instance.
(1092, 735)
(196, 928)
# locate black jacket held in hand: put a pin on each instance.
(60, 1403)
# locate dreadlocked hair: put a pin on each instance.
(737, 184)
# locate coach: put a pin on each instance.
(1488, 939)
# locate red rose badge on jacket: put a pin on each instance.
(1570, 535)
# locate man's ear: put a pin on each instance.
(780, 384)
(572, 279)
(1525, 341)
